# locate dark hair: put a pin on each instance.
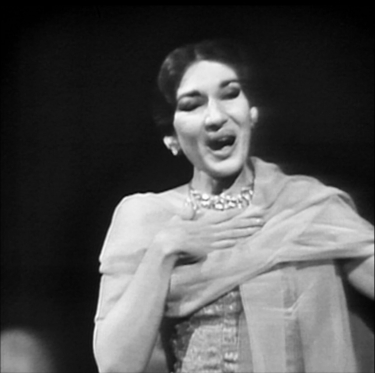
(227, 51)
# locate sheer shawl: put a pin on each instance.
(295, 306)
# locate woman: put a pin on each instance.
(239, 270)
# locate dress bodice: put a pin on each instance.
(208, 341)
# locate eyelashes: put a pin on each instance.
(191, 103)
(188, 105)
(232, 93)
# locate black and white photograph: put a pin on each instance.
(187, 189)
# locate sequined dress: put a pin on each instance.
(209, 340)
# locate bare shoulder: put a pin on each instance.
(148, 206)
(137, 207)
(175, 196)
(135, 220)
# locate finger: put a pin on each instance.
(234, 215)
(248, 232)
(249, 222)
(224, 244)
(237, 233)
(237, 223)
(217, 217)
(252, 212)
(189, 210)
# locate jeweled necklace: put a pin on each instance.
(222, 201)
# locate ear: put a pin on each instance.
(169, 141)
(172, 144)
(254, 114)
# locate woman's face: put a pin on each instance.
(213, 119)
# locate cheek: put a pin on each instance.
(185, 129)
(242, 112)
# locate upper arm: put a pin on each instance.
(134, 223)
(118, 255)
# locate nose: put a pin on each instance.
(215, 116)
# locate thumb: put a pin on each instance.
(189, 210)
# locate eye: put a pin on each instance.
(188, 104)
(231, 93)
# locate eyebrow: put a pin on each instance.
(195, 92)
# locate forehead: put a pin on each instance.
(205, 75)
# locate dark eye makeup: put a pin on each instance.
(229, 91)
(188, 104)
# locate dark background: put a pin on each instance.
(77, 134)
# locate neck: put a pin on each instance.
(231, 184)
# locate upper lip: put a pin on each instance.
(220, 135)
(212, 139)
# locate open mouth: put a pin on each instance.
(221, 142)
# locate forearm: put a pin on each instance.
(126, 337)
(360, 273)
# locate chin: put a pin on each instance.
(226, 169)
